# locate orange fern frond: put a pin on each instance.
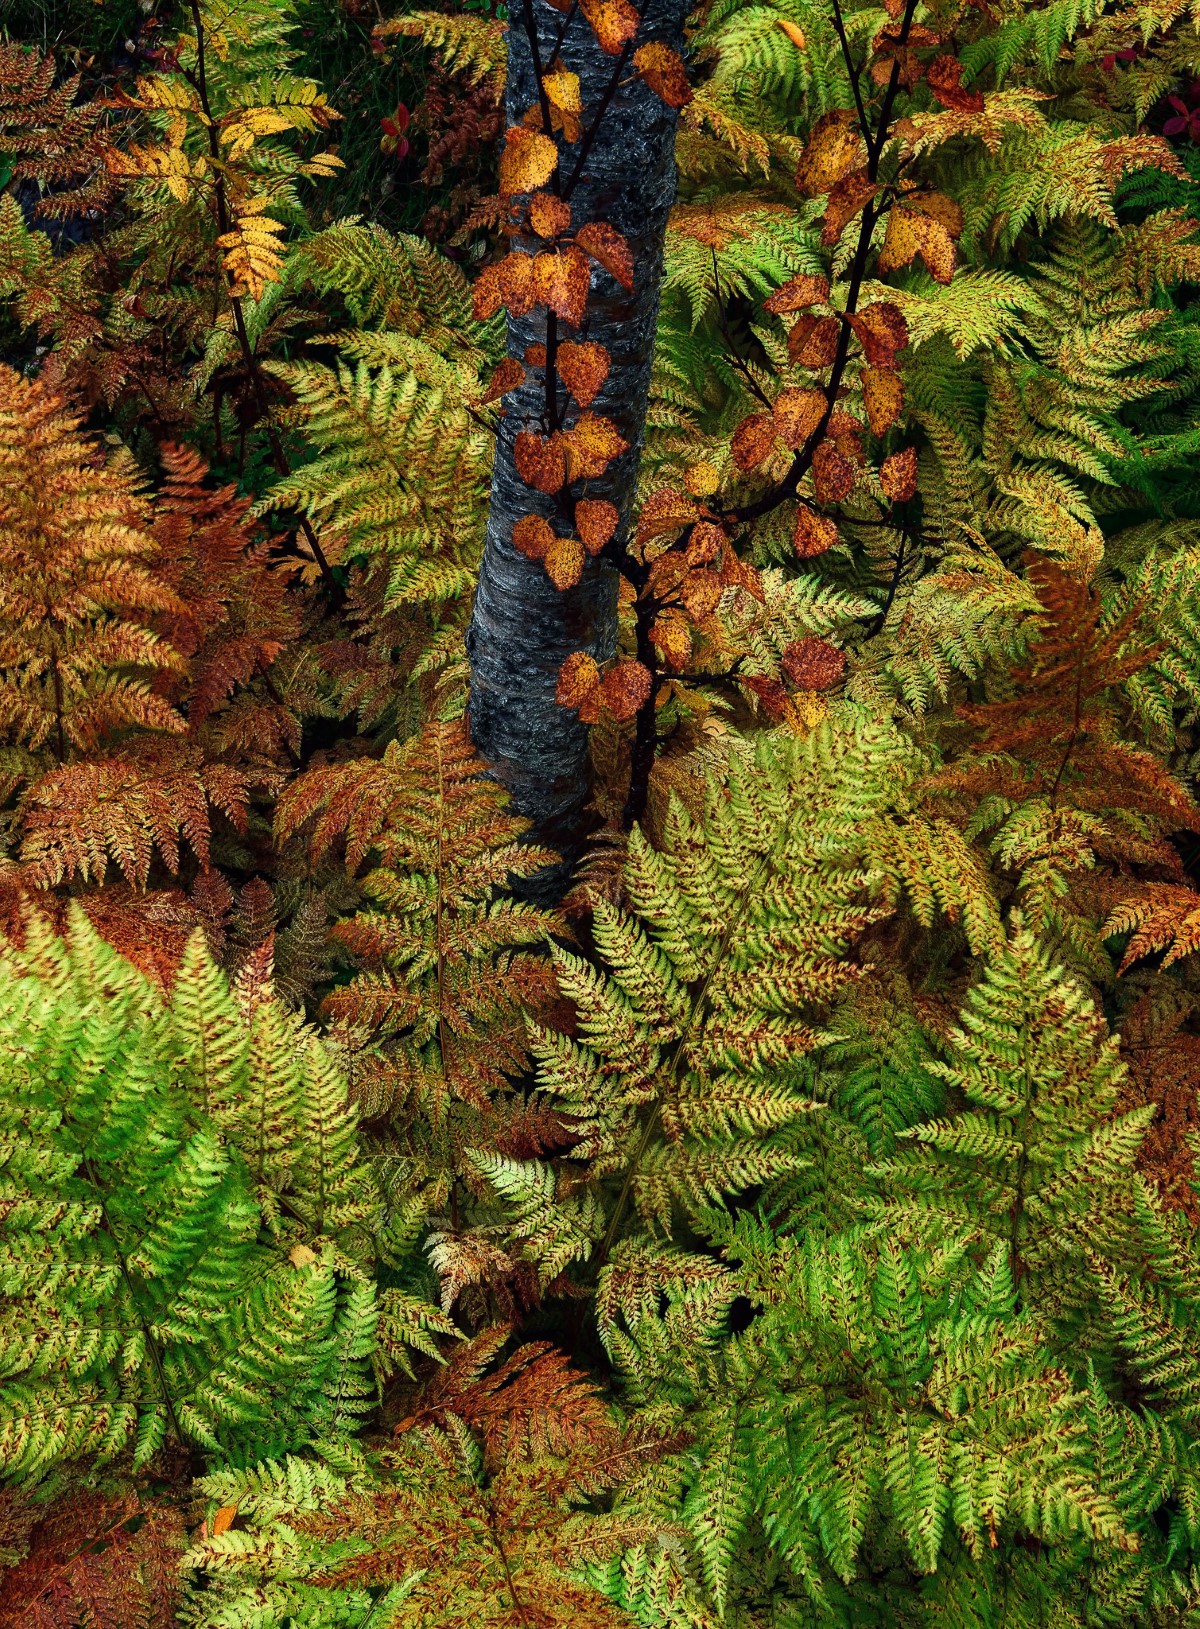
(1161, 916)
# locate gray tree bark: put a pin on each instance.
(522, 628)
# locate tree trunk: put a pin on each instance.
(522, 627)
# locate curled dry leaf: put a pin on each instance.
(664, 72)
(898, 475)
(564, 562)
(625, 689)
(529, 159)
(834, 149)
(813, 664)
(833, 473)
(813, 341)
(609, 249)
(845, 201)
(909, 233)
(812, 534)
(541, 460)
(592, 443)
(881, 331)
(533, 536)
(562, 280)
(663, 512)
(549, 216)
(796, 414)
(614, 22)
(579, 686)
(508, 375)
(583, 368)
(944, 78)
(883, 397)
(596, 521)
(562, 93)
(753, 440)
(798, 293)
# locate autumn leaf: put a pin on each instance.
(562, 93)
(833, 473)
(562, 280)
(813, 664)
(702, 479)
(796, 414)
(753, 440)
(944, 78)
(625, 688)
(579, 686)
(898, 475)
(663, 512)
(883, 397)
(549, 216)
(796, 35)
(798, 293)
(592, 443)
(614, 22)
(596, 521)
(845, 201)
(486, 295)
(812, 534)
(881, 331)
(223, 1519)
(672, 634)
(508, 375)
(1163, 914)
(813, 341)
(535, 356)
(834, 148)
(541, 461)
(253, 252)
(909, 232)
(700, 592)
(706, 543)
(583, 368)
(845, 431)
(772, 693)
(664, 72)
(533, 536)
(564, 562)
(609, 249)
(529, 159)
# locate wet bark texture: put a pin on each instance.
(522, 627)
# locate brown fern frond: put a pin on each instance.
(53, 139)
(1161, 916)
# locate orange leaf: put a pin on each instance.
(813, 664)
(702, 479)
(798, 293)
(796, 414)
(813, 341)
(507, 377)
(541, 461)
(583, 368)
(562, 93)
(812, 534)
(609, 249)
(910, 233)
(535, 356)
(940, 208)
(223, 1519)
(881, 331)
(796, 35)
(845, 201)
(613, 22)
(592, 443)
(944, 78)
(663, 512)
(673, 636)
(770, 692)
(706, 543)
(596, 520)
(486, 295)
(625, 689)
(898, 475)
(700, 592)
(883, 397)
(845, 431)
(833, 474)
(664, 72)
(562, 280)
(834, 148)
(533, 537)
(549, 215)
(579, 686)
(564, 562)
(528, 161)
(753, 440)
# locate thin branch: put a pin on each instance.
(589, 135)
